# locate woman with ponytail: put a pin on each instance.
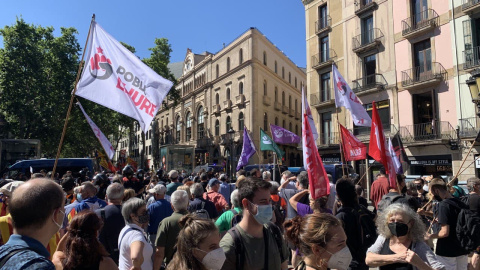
(197, 246)
(321, 240)
(80, 248)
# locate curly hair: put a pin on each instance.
(416, 231)
(194, 231)
(82, 246)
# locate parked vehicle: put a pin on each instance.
(215, 168)
(63, 165)
(270, 167)
(336, 171)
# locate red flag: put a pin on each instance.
(353, 149)
(317, 176)
(376, 148)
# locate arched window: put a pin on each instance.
(283, 123)
(289, 102)
(283, 73)
(228, 124)
(240, 88)
(276, 121)
(296, 106)
(283, 98)
(240, 121)
(295, 82)
(289, 77)
(217, 128)
(265, 121)
(188, 135)
(178, 128)
(217, 99)
(200, 123)
(217, 71)
(240, 56)
(276, 67)
(264, 88)
(228, 64)
(264, 58)
(276, 94)
(228, 93)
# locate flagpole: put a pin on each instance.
(470, 164)
(464, 159)
(80, 66)
(341, 143)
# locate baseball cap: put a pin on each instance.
(173, 174)
(10, 187)
(158, 189)
(213, 182)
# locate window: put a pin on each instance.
(367, 30)
(322, 17)
(276, 94)
(178, 128)
(188, 136)
(289, 77)
(217, 128)
(369, 70)
(240, 56)
(217, 72)
(228, 93)
(296, 106)
(240, 121)
(324, 52)
(200, 124)
(265, 58)
(422, 59)
(325, 87)
(296, 129)
(283, 98)
(229, 124)
(228, 64)
(289, 102)
(217, 99)
(265, 122)
(383, 109)
(290, 126)
(283, 123)
(283, 73)
(419, 11)
(295, 82)
(276, 67)
(326, 126)
(264, 88)
(240, 88)
(276, 121)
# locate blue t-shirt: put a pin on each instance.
(158, 211)
(35, 257)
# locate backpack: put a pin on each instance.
(202, 213)
(468, 227)
(237, 217)
(365, 221)
(386, 201)
(278, 212)
(240, 248)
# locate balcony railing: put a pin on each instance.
(323, 59)
(470, 5)
(472, 58)
(431, 74)
(362, 6)
(227, 104)
(324, 24)
(434, 130)
(240, 100)
(367, 40)
(321, 98)
(363, 133)
(326, 139)
(469, 127)
(420, 22)
(204, 142)
(374, 81)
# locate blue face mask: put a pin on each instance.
(264, 213)
(79, 197)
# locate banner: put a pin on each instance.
(107, 146)
(248, 149)
(400, 151)
(377, 149)
(317, 176)
(353, 149)
(397, 165)
(117, 79)
(344, 97)
(267, 144)
(281, 135)
(306, 110)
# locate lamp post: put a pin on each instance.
(231, 136)
(473, 85)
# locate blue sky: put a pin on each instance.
(199, 25)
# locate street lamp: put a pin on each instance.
(231, 137)
(473, 85)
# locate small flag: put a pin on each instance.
(248, 149)
(397, 165)
(281, 135)
(377, 149)
(400, 151)
(267, 144)
(353, 148)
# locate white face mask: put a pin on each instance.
(340, 260)
(59, 225)
(214, 259)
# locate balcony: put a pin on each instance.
(364, 6)
(297, 115)
(240, 100)
(431, 131)
(422, 77)
(323, 25)
(472, 58)
(471, 6)
(277, 106)
(238, 137)
(319, 100)
(469, 127)
(267, 101)
(366, 41)
(291, 113)
(420, 23)
(204, 143)
(227, 104)
(323, 59)
(216, 109)
(285, 109)
(325, 140)
(363, 133)
(374, 82)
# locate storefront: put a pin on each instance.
(427, 165)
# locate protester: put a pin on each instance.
(212, 195)
(70, 209)
(197, 245)
(332, 196)
(267, 176)
(400, 244)
(186, 188)
(287, 194)
(422, 194)
(128, 194)
(288, 176)
(239, 180)
(256, 173)
(397, 195)
(81, 248)
(169, 228)
(226, 188)
(321, 240)
(113, 221)
(68, 184)
(318, 205)
(101, 182)
(158, 210)
(201, 205)
(204, 181)
(89, 199)
(224, 222)
(130, 181)
(361, 199)
(262, 241)
(379, 188)
(35, 220)
(174, 183)
(279, 205)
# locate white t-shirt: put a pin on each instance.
(133, 235)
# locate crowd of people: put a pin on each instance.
(143, 220)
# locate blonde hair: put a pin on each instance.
(128, 194)
(186, 188)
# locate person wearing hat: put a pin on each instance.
(226, 188)
(158, 210)
(7, 191)
(212, 195)
(174, 183)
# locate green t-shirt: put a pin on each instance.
(172, 187)
(167, 233)
(224, 222)
(254, 252)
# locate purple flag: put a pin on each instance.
(248, 149)
(281, 135)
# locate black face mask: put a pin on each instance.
(398, 229)
(419, 187)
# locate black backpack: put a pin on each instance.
(237, 217)
(279, 213)
(386, 201)
(365, 220)
(468, 227)
(202, 213)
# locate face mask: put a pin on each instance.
(143, 219)
(264, 213)
(404, 190)
(59, 225)
(419, 187)
(340, 260)
(214, 259)
(79, 197)
(398, 229)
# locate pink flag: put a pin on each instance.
(306, 110)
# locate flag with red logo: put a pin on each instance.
(317, 176)
(306, 110)
(117, 79)
(353, 149)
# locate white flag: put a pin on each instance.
(107, 146)
(117, 79)
(344, 97)
(306, 110)
(397, 165)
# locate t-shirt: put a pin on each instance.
(129, 234)
(354, 242)
(474, 202)
(226, 190)
(379, 188)
(254, 251)
(167, 233)
(305, 209)
(287, 194)
(201, 203)
(172, 187)
(112, 226)
(448, 215)
(217, 199)
(224, 222)
(35, 257)
(158, 211)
